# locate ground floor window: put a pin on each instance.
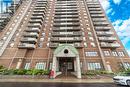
(40, 65)
(50, 66)
(127, 65)
(94, 66)
(27, 66)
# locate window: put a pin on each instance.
(88, 28)
(89, 33)
(114, 53)
(94, 66)
(91, 38)
(126, 65)
(85, 44)
(121, 53)
(27, 66)
(50, 66)
(106, 53)
(93, 44)
(91, 54)
(84, 38)
(40, 65)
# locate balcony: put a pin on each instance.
(63, 10)
(66, 39)
(26, 46)
(99, 19)
(102, 28)
(100, 23)
(110, 45)
(31, 40)
(36, 21)
(66, 24)
(66, 28)
(109, 33)
(107, 39)
(32, 30)
(39, 11)
(95, 9)
(93, 6)
(35, 25)
(92, 3)
(55, 45)
(37, 17)
(96, 12)
(32, 34)
(68, 16)
(38, 14)
(79, 33)
(66, 20)
(97, 15)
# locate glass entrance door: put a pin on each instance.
(66, 64)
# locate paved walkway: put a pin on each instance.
(60, 80)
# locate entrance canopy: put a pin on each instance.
(66, 51)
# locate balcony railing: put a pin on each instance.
(108, 45)
(99, 19)
(66, 24)
(26, 46)
(100, 23)
(34, 24)
(96, 12)
(107, 39)
(95, 9)
(32, 30)
(66, 28)
(102, 28)
(66, 33)
(97, 15)
(31, 34)
(28, 39)
(66, 39)
(94, 6)
(109, 33)
(55, 45)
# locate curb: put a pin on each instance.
(60, 80)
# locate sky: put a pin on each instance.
(118, 12)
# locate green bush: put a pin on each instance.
(97, 72)
(29, 72)
(46, 72)
(19, 72)
(5, 71)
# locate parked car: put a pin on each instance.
(122, 79)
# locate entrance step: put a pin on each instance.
(67, 75)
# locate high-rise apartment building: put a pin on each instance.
(71, 35)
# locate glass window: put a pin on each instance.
(93, 44)
(84, 38)
(126, 65)
(91, 54)
(94, 66)
(106, 53)
(27, 66)
(85, 44)
(114, 53)
(121, 53)
(40, 65)
(91, 38)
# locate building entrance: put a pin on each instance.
(66, 64)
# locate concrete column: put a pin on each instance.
(19, 64)
(54, 66)
(78, 67)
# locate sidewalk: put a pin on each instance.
(60, 80)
